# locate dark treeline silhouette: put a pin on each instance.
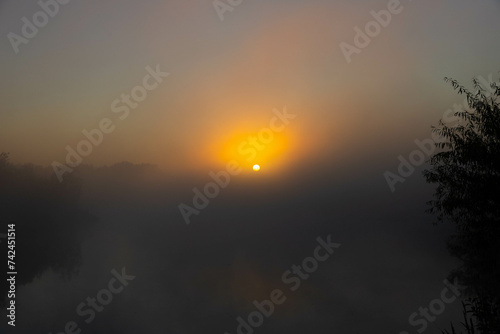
(50, 221)
(50, 224)
(466, 171)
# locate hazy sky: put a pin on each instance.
(322, 174)
(227, 76)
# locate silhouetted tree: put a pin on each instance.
(466, 171)
(468, 322)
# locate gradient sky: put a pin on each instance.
(322, 175)
(231, 74)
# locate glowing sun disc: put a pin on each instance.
(256, 168)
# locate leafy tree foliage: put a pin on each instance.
(466, 171)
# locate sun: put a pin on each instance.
(256, 168)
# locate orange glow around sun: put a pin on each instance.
(248, 148)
